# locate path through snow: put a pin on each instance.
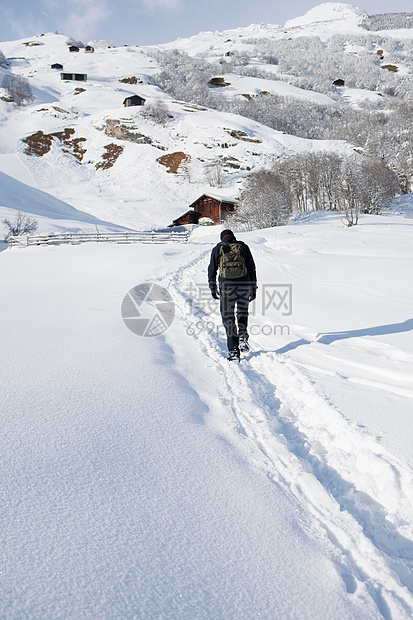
(359, 493)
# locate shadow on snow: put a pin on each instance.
(380, 330)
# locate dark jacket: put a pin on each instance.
(249, 279)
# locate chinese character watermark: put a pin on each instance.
(274, 298)
(277, 297)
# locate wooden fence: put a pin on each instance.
(121, 237)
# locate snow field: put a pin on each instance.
(120, 497)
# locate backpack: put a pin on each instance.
(232, 261)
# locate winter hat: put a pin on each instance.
(227, 234)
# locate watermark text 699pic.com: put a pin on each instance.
(274, 301)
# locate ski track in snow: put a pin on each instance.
(357, 492)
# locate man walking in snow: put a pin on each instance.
(237, 287)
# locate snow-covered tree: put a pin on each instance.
(388, 21)
(156, 111)
(184, 77)
(18, 88)
(265, 201)
(3, 61)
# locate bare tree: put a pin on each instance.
(294, 171)
(156, 111)
(330, 166)
(18, 88)
(265, 202)
(329, 181)
(22, 225)
(366, 186)
(349, 199)
(353, 184)
(313, 179)
(214, 172)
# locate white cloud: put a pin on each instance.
(21, 23)
(84, 18)
(50, 5)
(169, 5)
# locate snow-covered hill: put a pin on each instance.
(336, 15)
(102, 158)
(136, 191)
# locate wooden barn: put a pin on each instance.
(56, 66)
(212, 207)
(89, 49)
(134, 100)
(77, 77)
(73, 48)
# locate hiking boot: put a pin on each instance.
(243, 344)
(233, 355)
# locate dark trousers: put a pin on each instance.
(234, 298)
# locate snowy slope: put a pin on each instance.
(148, 477)
(323, 20)
(51, 214)
(241, 85)
(336, 15)
(137, 191)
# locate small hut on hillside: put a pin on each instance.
(211, 207)
(134, 100)
(89, 49)
(74, 48)
(77, 77)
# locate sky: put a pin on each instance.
(146, 22)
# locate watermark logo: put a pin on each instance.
(148, 310)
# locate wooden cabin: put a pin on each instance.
(56, 66)
(189, 217)
(77, 77)
(73, 48)
(339, 82)
(89, 49)
(134, 100)
(215, 208)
